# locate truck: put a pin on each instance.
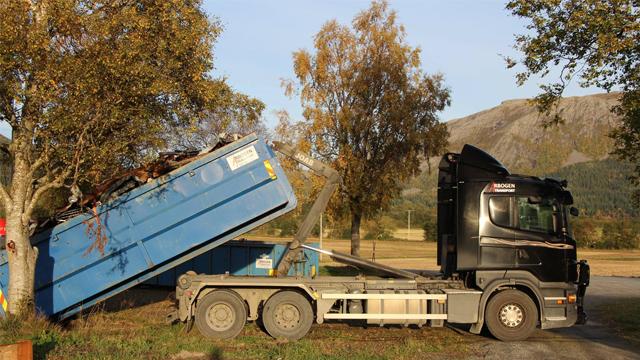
(506, 255)
(505, 249)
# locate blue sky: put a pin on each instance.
(461, 39)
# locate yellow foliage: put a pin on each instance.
(369, 109)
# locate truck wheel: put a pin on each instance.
(221, 314)
(511, 315)
(288, 315)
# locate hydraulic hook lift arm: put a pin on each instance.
(333, 180)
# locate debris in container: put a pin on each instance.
(109, 190)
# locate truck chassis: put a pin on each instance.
(378, 301)
(511, 305)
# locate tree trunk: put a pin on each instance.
(22, 266)
(21, 255)
(355, 233)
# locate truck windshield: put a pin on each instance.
(520, 213)
(536, 217)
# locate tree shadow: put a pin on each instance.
(216, 354)
(137, 297)
(42, 349)
(340, 270)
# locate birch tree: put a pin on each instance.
(90, 86)
(369, 108)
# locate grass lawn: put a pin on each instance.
(140, 333)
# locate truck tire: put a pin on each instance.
(288, 315)
(511, 315)
(221, 314)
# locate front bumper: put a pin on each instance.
(569, 314)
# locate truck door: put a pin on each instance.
(520, 231)
(540, 247)
(497, 234)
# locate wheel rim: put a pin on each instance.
(287, 316)
(220, 316)
(511, 315)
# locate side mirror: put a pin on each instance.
(574, 211)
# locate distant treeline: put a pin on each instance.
(595, 231)
(600, 187)
(607, 232)
(601, 191)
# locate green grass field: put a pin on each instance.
(140, 333)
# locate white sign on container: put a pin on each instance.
(264, 263)
(242, 157)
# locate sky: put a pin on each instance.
(461, 39)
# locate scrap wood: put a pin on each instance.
(131, 179)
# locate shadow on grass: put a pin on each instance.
(137, 297)
(339, 271)
(216, 354)
(623, 317)
(42, 349)
(44, 335)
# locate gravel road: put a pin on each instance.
(591, 341)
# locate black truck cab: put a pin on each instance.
(497, 229)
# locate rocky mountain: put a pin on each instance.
(513, 133)
(577, 150)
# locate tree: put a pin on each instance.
(242, 115)
(595, 41)
(430, 228)
(369, 109)
(89, 87)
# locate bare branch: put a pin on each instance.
(56, 183)
(36, 165)
(6, 108)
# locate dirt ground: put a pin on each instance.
(595, 340)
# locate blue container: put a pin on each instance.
(158, 226)
(239, 257)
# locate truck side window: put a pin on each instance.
(499, 210)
